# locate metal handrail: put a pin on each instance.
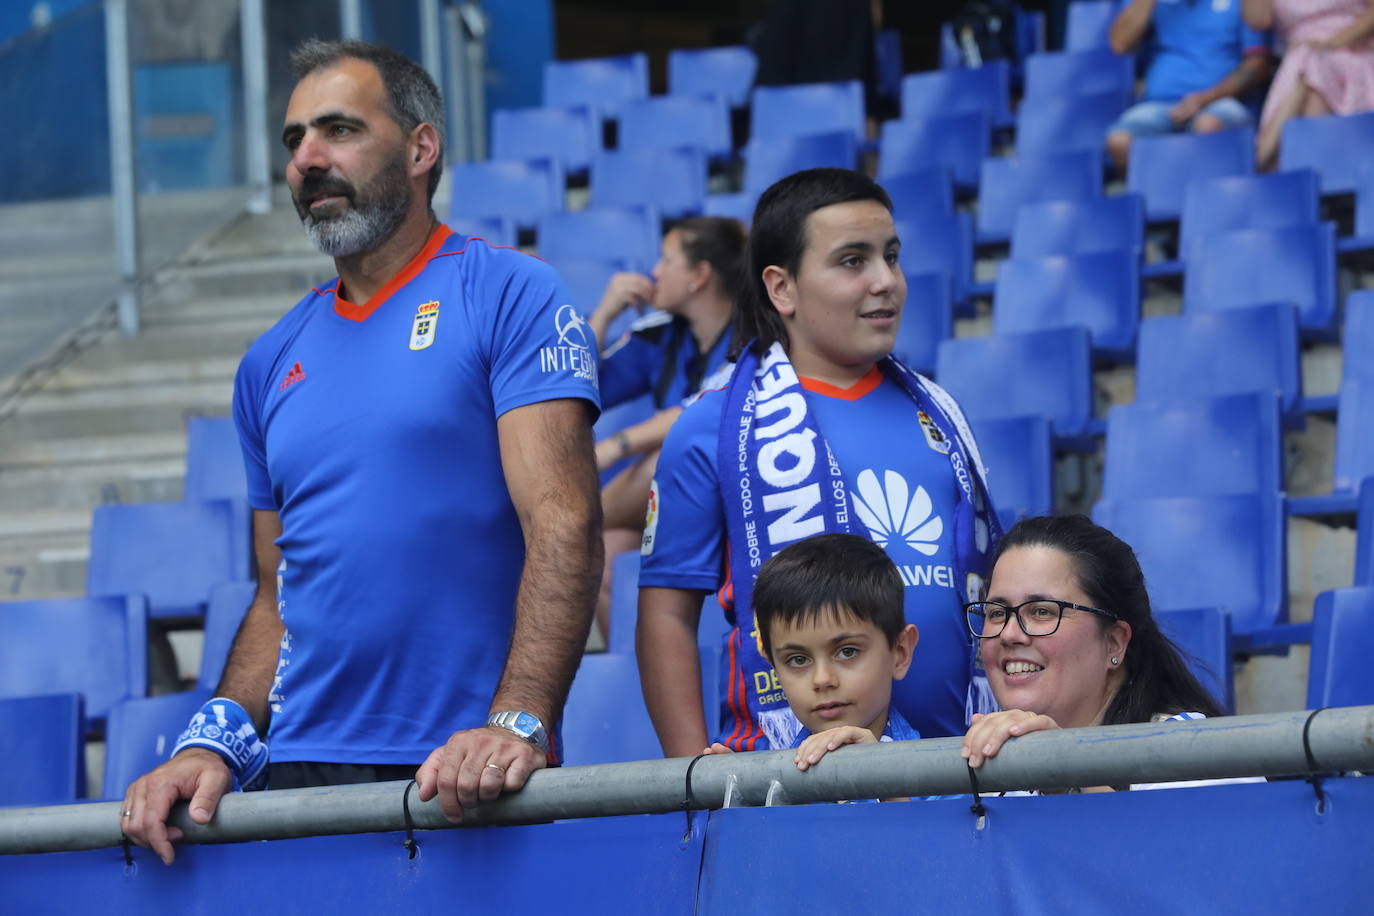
(1339, 740)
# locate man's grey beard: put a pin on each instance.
(372, 216)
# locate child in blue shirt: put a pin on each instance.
(831, 620)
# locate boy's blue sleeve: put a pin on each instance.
(684, 533)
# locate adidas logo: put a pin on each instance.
(297, 374)
(890, 510)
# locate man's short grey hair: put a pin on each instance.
(411, 96)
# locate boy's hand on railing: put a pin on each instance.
(818, 745)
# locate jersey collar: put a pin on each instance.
(360, 313)
(863, 386)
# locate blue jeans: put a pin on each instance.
(1146, 118)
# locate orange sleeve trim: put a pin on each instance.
(863, 386)
(422, 258)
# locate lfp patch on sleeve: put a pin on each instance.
(426, 322)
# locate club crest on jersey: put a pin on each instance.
(424, 326)
(934, 438)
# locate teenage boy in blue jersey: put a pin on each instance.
(418, 444)
(830, 614)
(817, 430)
(1206, 59)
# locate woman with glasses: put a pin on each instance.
(1068, 638)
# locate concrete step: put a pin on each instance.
(78, 378)
(44, 566)
(87, 485)
(267, 275)
(40, 453)
(110, 411)
(178, 341)
(267, 307)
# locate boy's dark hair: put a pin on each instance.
(411, 96)
(1157, 675)
(778, 237)
(830, 574)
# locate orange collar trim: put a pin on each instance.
(360, 312)
(863, 386)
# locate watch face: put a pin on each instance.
(525, 723)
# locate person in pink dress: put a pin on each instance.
(1328, 67)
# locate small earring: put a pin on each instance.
(1115, 660)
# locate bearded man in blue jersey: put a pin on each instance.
(417, 436)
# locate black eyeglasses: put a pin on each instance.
(1040, 617)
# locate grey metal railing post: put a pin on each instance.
(455, 62)
(351, 18)
(257, 159)
(431, 40)
(123, 161)
(475, 22)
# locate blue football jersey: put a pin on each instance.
(371, 429)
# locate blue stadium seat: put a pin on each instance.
(1065, 124)
(727, 72)
(1088, 72)
(1358, 330)
(1009, 183)
(1342, 642)
(604, 720)
(671, 121)
(1089, 24)
(927, 319)
(732, 205)
(1274, 201)
(1204, 635)
(672, 181)
(1208, 551)
(600, 83)
(938, 242)
(1336, 147)
(1098, 291)
(214, 461)
(566, 136)
(1296, 265)
(988, 377)
(45, 750)
(1178, 357)
(1363, 237)
(1160, 168)
(586, 282)
(767, 160)
(810, 108)
(958, 142)
(1204, 447)
(624, 603)
(497, 230)
(945, 92)
(97, 647)
(916, 194)
(174, 553)
(1354, 435)
(631, 233)
(887, 62)
(141, 735)
(224, 613)
(1019, 455)
(1364, 535)
(506, 189)
(1114, 223)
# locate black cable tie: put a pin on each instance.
(977, 807)
(688, 799)
(410, 845)
(128, 851)
(1312, 777)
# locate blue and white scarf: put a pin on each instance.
(780, 483)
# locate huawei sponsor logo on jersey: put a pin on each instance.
(426, 323)
(892, 511)
(573, 352)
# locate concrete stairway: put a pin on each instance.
(109, 425)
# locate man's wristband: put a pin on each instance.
(225, 727)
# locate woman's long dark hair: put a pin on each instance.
(1157, 677)
(778, 237)
(719, 242)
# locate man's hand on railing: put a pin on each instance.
(196, 773)
(476, 766)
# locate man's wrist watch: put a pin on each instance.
(524, 725)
